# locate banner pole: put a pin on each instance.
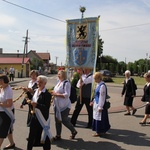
(81, 89)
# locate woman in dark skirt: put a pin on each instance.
(146, 98)
(130, 93)
(100, 114)
(6, 115)
(40, 102)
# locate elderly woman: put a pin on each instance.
(39, 134)
(32, 85)
(130, 93)
(146, 98)
(6, 111)
(100, 114)
(62, 105)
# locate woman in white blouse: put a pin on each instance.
(62, 105)
(6, 112)
(100, 114)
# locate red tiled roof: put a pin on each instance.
(12, 60)
(44, 55)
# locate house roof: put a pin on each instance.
(34, 53)
(12, 60)
(44, 55)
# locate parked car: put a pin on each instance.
(106, 73)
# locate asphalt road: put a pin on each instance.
(125, 132)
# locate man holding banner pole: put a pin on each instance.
(85, 85)
(82, 45)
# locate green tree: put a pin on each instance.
(35, 63)
(108, 62)
(99, 53)
(121, 67)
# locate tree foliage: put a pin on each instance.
(35, 63)
(108, 62)
(99, 53)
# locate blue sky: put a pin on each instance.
(124, 26)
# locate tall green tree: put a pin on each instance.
(109, 63)
(121, 67)
(99, 53)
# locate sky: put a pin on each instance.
(124, 26)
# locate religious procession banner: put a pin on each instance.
(82, 42)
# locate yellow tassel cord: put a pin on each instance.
(13, 88)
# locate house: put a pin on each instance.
(22, 67)
(44, 58)
(33, 55)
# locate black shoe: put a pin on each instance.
(56, 138)
(73, 135)
(9, 147)
(142, 123)
(134, 111)
(127, 114)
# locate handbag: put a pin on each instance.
(107, 105)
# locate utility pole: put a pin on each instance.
(125, 63)
(24, 52)
(26, 43)
(56, 60)
(146, 62)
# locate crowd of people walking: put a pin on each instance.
(39, 101)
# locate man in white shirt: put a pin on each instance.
(11, 73)
(85, 84)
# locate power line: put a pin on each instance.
(119, 28)
(127, 27)
(34, 11)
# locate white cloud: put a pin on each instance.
(6, 20)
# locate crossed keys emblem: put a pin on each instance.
(81, 32)
(80, 56)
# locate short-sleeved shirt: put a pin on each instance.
(5, 95)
